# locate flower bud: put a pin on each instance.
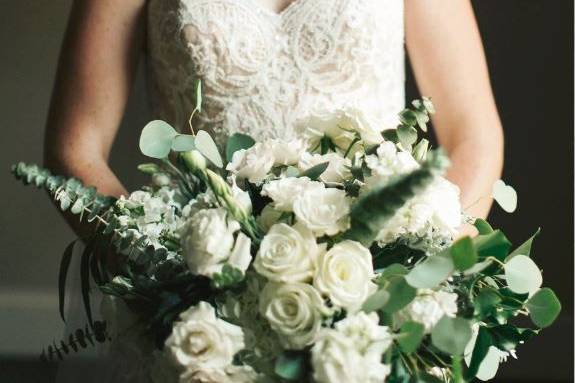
(194, 161)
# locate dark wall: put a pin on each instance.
(529, 47)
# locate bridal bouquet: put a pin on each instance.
(328, 257)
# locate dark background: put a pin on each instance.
(529, 45)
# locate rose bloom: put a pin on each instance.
(344, 275)
(201, 341)
(323, 211)
(208, 242)
(294, 311)
(252, 164)
(284, 191)
(287, 254)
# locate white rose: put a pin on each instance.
(202, 341)
(324, 211)
(287, 254)
(429, 307)
(294, 311)
(337, 170)
(208, 242)
(231, 374)
(252, 164)
(287, 152)
(352, 352)
(344, 274)
(285, 190)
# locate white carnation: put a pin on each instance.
(344, 275)
(337, 170)
(201, 341)
(294, 311)
(287, 254)
(285, 191)
(252, 164)
(208, 242)
(324, 211)
(429, 307)
(352, 352)
(287, 152)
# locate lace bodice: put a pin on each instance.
(262, 71)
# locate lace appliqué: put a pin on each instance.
(262, 71)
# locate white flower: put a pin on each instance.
(287, 254)
(285, 191)
(294, 311)
(344, 275)
(337, 170)
(341, 127)
(202, 341)
(352, 352)
(389, 162)
(429, 307)
(324, 211)
(231, 374)
(208, 242)
(242, 197)
(252, 164)
(287, 152)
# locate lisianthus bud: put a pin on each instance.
(218, 185)
(194, 161)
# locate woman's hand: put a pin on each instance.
(95, 73)
(447, 56)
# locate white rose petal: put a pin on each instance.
(285, 191)
(252, 164)
(324, 211)
(202, 341)
(344, 275)
(294, 311)
(287, 254)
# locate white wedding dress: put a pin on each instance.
(261, 71)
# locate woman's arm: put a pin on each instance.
(95, 73)
(447, 56)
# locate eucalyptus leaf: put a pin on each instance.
(206, 145)
(238, 141)
(316, 171)
(156, 139)
(544, 307)
(464, 254)
(431, 272)
(525, 247)
(376, 301)
(400, 295)
(291, 365)
(522, 275)
(451, 335)
(183, 143)
(482, 226)
(410, 336)
(505, 196)
(494, 244)
(483, 342)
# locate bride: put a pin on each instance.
(264, 64)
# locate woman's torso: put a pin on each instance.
(262, 70)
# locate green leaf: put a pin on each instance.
(390, 135)
(184, 143)
(451, 335)
(400, 295)
(544, 307)
(238, 141)
(508, 337)
(525, 247)
(407, 136)
(482, 226)
(482, 344)
(494, 244)
(431, 272)
(410, 336)
(376, 301)
(463, 254)
(63, 273)
(420, 150)
(206, 145)
(315, 172)
(486, 302)
(291, 365)
(522, 275)
(156, 139)
(292, 171)
(505, 196)
(372, 210)
(394, 270)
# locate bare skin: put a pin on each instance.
(105, 37)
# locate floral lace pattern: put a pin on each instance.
(262, 71)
